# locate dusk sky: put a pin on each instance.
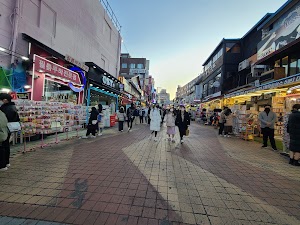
(177, 36)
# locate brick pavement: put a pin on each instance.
(126, 178)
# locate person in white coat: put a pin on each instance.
(155, 121)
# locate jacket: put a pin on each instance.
(182, 123)
(130, 112)
(264, 119)
(222, 117)
(229, 120)
(121, 116)
(93, 116)
(11, 112)
(155, 120)
(170, 120)
(293, 128)
(3, 127)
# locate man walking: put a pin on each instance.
(130, 116)
(267, 120)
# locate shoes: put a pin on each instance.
(128, 129)
(155, 139)
(275, 149)
(94, 136)
(8, 165)
(182, 141)
(169, 139)
(264, 146)
(173, 140)
(291, 161)
(4, 169)
(296, 163)
(85, 137)
(100, 134)
(121, 130)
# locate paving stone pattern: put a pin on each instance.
(128, 178)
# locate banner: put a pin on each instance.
(285, 31)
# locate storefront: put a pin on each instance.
(103, 89)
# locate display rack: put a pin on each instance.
(278, 108)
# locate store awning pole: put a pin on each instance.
(88, 104)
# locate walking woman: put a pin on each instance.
(121, 118)
(170, 122)
(183, 122)
(293, 129)
(92, 124)
(100, 119)
(9, 109)
(155, 121)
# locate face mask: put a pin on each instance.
(267, 110)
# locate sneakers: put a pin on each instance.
(264, 146)
(128, 129)
(275, 149)
(85, 137)
(8, 165)
(100, 134)
(182, 141)
(4, 169)
(173, 140)
(94, 136)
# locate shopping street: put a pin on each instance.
(126, 178)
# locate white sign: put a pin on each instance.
(77, 63)
(108, 81)
(137, 71)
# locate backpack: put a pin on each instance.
(99, 117)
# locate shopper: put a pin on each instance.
(170, 122)
(146, 115)
(3, 137)
(92, 124)
(136, 114)
(149, 111)
(155, 121)
(142, 113)
(121, 118)
(9, 109)
(183, 122)
(130, 116)
(100, 119)
(267, 120)
(293, 129)
(222, 121)
(228, 122)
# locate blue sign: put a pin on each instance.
(78, 70)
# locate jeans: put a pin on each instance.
(6, 146)
(2, 157)
(221, 129)
(141, 119)
(268, 133)
(129, 122)
(121, 125)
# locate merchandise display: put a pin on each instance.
(41, 117)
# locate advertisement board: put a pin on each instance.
(284, 31)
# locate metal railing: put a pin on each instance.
(111, 14)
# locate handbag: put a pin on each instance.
(14, 126)
(94, 122)
(187, 132)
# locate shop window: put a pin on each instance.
(132, 66)
(293, 67)
(285, 64)
(124, 65)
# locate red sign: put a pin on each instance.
(14, 95)
(112, 120)
(46, 66)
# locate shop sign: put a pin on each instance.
(46, 66)
(284, 31)
(22, 95)
(137, 71)
(77, 63)
(108, 82)
(267, 86)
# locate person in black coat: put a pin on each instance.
(93, 123)
(293, 129)
(9, 109)
(182, 121)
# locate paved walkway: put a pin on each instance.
(127, 178)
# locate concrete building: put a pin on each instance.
(163, 97)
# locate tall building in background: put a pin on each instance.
(163, 97)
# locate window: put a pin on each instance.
(132, 66)
(293, 67)
(140, 66)
(285, 64)
(205, 90)
(124, 65)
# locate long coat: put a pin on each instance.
(293, 129)
(155, 120)
(182, 123)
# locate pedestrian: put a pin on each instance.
(170, 122)
(146, 115)
(155, 121)
(3, 137)
(9, 109)
(121, 118)
(136, 114)
(222, 121)
(163, 114)
(100, 119)
(183, 122)
(130, 116)
(149, 111)
(267, 120)
(228, 122)
(293, 128)
(92, 123)
(141, 114)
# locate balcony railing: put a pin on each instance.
(111, 14)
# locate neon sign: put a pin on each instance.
(78, 70)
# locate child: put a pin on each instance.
(170, 122)
(228, 122)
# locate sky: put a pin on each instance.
(177, 36)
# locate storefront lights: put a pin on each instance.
(6, 90)
(27, 86)
(2, 49)
(91, 85)
(94, 67)
(25, 58)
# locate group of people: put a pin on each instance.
(95, 123)
(8, 114)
